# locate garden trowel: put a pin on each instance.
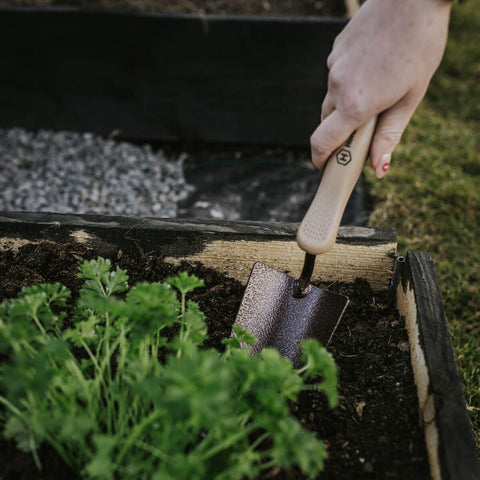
(280, 310)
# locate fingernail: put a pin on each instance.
(383, 165)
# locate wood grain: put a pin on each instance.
(448, 431)
(231, 247)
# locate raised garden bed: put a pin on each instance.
(192, 71)
(375, 432)
(166, 76)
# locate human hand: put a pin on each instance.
(381, 64)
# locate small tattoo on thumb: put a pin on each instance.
(383, 165)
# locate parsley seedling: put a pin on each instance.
(93, 386)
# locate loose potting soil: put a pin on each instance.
(373, 433)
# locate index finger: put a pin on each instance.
(332, 132)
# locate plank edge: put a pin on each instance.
(450, 442)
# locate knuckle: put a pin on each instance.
(324, 113)
(314, 144)
(330, 61)
(392, 137)
(351, 106)
(317, 146)
(335, 76)
(350, 98)
(337, 40)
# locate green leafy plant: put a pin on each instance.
(93, 387)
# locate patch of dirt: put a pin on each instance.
(373, 434)
(244, 7)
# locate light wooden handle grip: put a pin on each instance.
(318, 231)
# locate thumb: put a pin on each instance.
(389, 130)
(330, 134)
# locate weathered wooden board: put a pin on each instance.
(163, 76)
(448, 432)
(231, 247)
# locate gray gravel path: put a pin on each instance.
(69, 172)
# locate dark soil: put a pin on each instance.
(374, 433)
(245, 7)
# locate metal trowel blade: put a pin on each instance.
(270, 311)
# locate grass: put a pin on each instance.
(432, 192)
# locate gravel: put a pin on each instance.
(68, 172)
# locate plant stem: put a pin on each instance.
(12, 408)
(137, 431)
(154, 451)
(33, 449)
(228, 442)
(38, 324)
(259, 440)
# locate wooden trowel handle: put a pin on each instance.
(318, 231)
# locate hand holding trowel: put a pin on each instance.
(280, 310)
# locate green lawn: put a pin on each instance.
(432, 192)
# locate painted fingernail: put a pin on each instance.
(383, 165)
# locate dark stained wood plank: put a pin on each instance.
(32, 224)
(449, 434)
(231, 247)
(164, 77)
